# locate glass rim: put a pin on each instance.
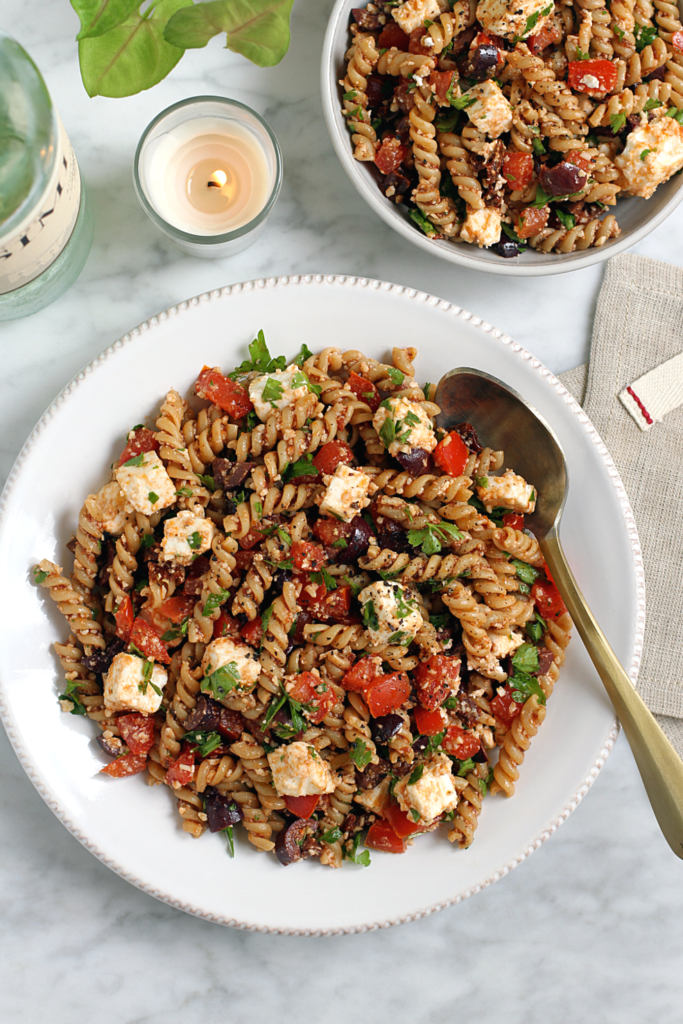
(226, 236)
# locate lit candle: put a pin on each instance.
(208, 172)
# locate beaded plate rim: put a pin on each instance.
(23, 753)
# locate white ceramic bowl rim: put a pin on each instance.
(466, 255)
(23, 752)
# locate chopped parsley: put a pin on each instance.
(214, 601)
(272, 391)
(352, 854)
(261, 359)
(617, 122)
(39, 575)
(147, 540)
(462, 102)
(355, 587)
(524, 686)
(538, 147)
(184, 492)
(350, 95)
(195, 540)
(676, 114)
(652, 104)
(433, 537)
(341, 544)
(323, 577)
(370, 620)
(531, 23)
(535, 629)
(137, 460)
(526, 573)
(208, 481)
(395, 376)
(416, 775)
(399, 637)
(300, 379)
(645, 36)
(464, 767)
(303, 355)
(72, 694)
(360, 754)
(333, 835)
(525, 658)
(567, 220)
(205, 742)
(222, 681)
(425, 225)
(414, 813)
(303, 467)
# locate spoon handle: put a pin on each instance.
(659, 765)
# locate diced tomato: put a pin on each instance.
(452, 454)
(548, 601)
(331, 455)
(402, 823)
(504, 707)
(181, 771)
(137, 732)
(437, 679)
(302, 806)
(365, 390)
(579, 160)
(677, 41)
(460, 743)
(225, 393)
(139, 441)
(124, 618)
(362, 673)
(532, 220)
(198, 568)
(308, 688)
(147, 640)
(518, 170)
(386, 693)
(338, 604)
(252, 633)
(390, 154)
(329, 531)
(515, 520)
(225, 625)
(392, 35)
(416, 43)
(129, 764)
(243, 559)
(251, 539)
(541, 40)
(177, 609)
(428, 723)
(583, 73)
(441, 82)
(307, 556)
(381, 836)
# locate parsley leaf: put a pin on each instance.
(208, 481)
(360, 754)
(205, 742)
(272, 391)
(465, 767)
(300, 379)
(462, 102)
(524, 686)
(425, 225)
(137, 460)
(535, 629)
(433, 537)
(395, 376)
(222, 681)
(303, 467)
(538, 147)
(531, 22)
(568, 220)
(357, 858)
(525, 659)
(617, 121)
(324, 577)
(185, 492)
(214, 601)
(332, 836)
(39, 575)
(370, 620)
(652, 104)
(71, 693)
(260, 361)
(525, 572)
(676, 114)
(416, 775)
(195, 540)
(645, 36)
(303, 355)
(147, 540)
(230, 838)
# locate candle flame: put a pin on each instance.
(217, 179)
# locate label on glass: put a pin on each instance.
(44, 232)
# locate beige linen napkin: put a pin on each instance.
(638, 326)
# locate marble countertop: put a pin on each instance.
(590, 927)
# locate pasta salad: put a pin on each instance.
(507, 125)
(307, 611)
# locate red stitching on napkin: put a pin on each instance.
(640, 405)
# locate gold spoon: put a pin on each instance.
(508, 422)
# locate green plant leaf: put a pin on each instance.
(100, 16)
(258, 29)
(133, 56)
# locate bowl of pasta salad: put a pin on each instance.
(520, 138)
(285, 654)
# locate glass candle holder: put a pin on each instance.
(207, 172)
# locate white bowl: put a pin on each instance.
(636, 217)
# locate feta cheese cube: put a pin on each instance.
(481, 226)
(504, 643)
(412, 14)
(127, 689)
(284, 387)
(347, 493)
(511, 18)
(490, 113)
(653, 152)
(186, 536)
(409, 426)
(433, 794)
(147, 486)
(507, 491)
(242, 665)
(299, 770)
(374, 800)
(390, 613)
(111, 508)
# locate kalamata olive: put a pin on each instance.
(289, 842)
(462, 41)
(481, 756)
(221, 810)
(358, 541)
(99, 661)
(372, 774)
(111, 745)
(469, 435)
(563, 179)
(205, 715)
(231, 724)
(656, 76)
(375, 89)
(481, 64)
(230, 475)
(279, 580)
(303, 619)
(385, 727)
(467, 710)
(420, 744)
(391, 535)
(545, 660)
(366, 19)
(394, 185)
(507, 248)
(415, 461)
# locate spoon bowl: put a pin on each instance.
(509, 423)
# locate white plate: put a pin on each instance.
(135, 830)
(636, 217)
